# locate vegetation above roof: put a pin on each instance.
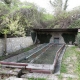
(17, 18)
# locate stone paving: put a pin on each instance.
(50, 76)
(41, 75)
(7, 72)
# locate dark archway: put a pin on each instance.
(44, 38)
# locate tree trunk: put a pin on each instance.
(5, 44)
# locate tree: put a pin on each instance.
(75, 18)
(65, 5)
(5, 22)
(11, 3)
(59, 6)
(7, 2)
(63, 18)
(16, 18)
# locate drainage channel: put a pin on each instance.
(25, 54)
(46, 62)
(48, 56)
(58, 64)
(36, 54)
(42, 60)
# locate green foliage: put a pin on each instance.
(32, 16)
(44, 38)
(28, 14)
(63, 18)
(68, 37)
(47, 17)
(56, 26)
(6, 23)
(36, 79)
(64, 15)
(78, 39)
(13, 27)
(10, 3)
(17, 21)
(5, 31)
(33, 35)
(75, 24)
(3, 13)
(61, 21)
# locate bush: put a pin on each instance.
(78, 40)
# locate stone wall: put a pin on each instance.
(57, 35)
(1, 46)
(14, 44)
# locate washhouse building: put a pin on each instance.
(59, 36)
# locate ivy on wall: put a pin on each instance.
(68, 38)
(78, 39)
(44, 38)
(33, 35)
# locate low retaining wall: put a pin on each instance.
(14, 44)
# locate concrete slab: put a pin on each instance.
(40, 66)
(35, 75)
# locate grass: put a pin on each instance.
(71, 61)
(63, 68)
(70, 51)
(60, 77)
(78, 63)
(69, 78)
(36, 79)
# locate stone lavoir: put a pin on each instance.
(67, 36)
